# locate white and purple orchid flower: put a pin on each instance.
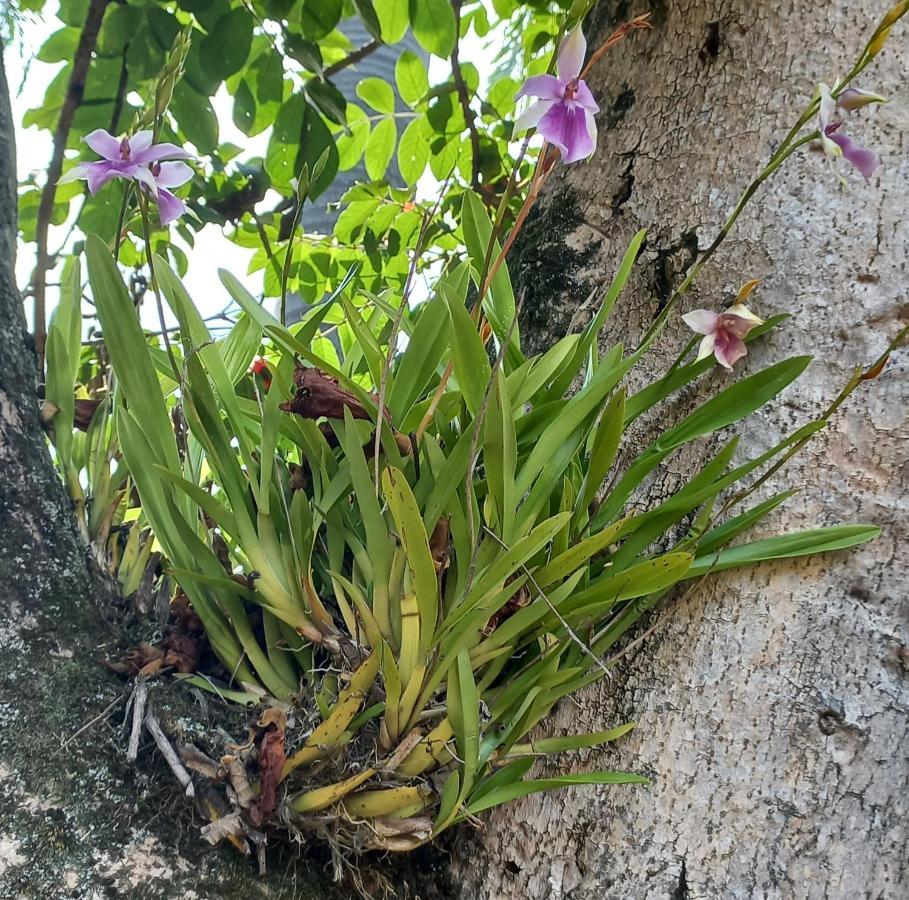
(835, 141)
(564, 108)
(723, 332)
(136, 158)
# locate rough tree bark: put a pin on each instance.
(771, 706)
(76, 821)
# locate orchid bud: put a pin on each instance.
(877, 42)
(853, 98)
(895, 14)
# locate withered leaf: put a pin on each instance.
(84, 412)
(181, 652)
(271, 762)
(319, 394)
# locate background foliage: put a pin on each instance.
(273, 64)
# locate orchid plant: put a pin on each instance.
(408, 552)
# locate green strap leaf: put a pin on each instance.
(510, 792)
(425, 582)
(784, 546)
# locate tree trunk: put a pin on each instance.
(771, 705)
(76, 820)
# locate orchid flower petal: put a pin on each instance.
(734, 325)
(591, 128)
(74, 174)
(827, 107)
(170, 207)
(532, 115)
(99, 173)
(104, 144)
(742, 311)
(865, 160)
(139, 142)
(584, 98)
(853, 98)
(571, 54)
(173, 174)
(145, 178)
(546, 87)
(728, 349)
(703, 321)
(159, 151)
(566, 128)
(706, 347)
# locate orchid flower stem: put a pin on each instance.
(488, 274)
(143, 207)
(785, 151)
(858, 376)
(616, 36)
(503, 207)
(535, 187)
(124, 205)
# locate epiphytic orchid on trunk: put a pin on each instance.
(835, 141)
(563, 111)
(137, 159)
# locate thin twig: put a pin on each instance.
(484, 287)
(619, 34)
(461, 90)
(140, 698)
(101, 715)
(584, 648)
(169, 754)
(428, 216)
(75, 90)
(352, 58)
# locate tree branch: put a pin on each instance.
(461, 87)
(352, 58)
(120, 99)
(71, 102)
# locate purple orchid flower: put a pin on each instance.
(563, 111)
(169, 175)
(136, 159)
(723, 332)
(833, 139)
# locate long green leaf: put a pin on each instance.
(510, 792)
(571, 369)
(499, 303)
(425, 582)
(784, 546)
